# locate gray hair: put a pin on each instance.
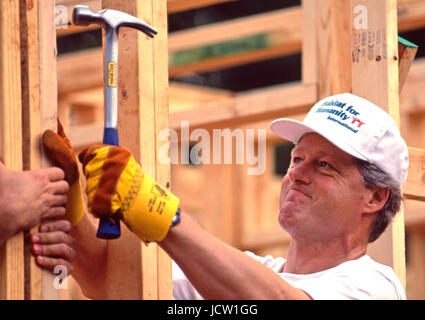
(375, 177)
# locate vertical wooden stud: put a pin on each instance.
(39, 113)
(12, 251)
(375, 77)
(137, 271)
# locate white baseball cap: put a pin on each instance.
(356, 126)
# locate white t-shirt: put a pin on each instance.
(361, 279)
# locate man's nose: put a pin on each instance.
(300, 173)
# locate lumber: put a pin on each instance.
(375, 65)
(31, 123)
(80, 71)
(48, 105)
(259, 37)
(333, 47)
(159, 80)
(309, 56)
(137, 271)
(39, 113)
(415, 185)
(412, 98)
(411, 14)
(255, 105)
(241, 40)
(326, 46)
(174, 6)
(416, 247)
(11, 252)
(239, 109)
(406, 53)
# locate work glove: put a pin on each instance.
(59, 150)
(116, 184)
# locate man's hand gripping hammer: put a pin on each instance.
(111, 20)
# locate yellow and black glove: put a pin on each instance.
(116, 184)
(59, 150)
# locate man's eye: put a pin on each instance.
(296, 160)
(324, 164)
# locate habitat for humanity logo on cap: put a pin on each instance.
(342, 114)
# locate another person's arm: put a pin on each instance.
(77, 248)
(28, 197)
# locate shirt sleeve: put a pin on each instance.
(182, 287)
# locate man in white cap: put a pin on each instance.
(341, 190)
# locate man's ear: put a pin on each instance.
(377, 199)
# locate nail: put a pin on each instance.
(36, 238)
(37, 249)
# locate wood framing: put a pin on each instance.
(375, 65)
(183, 5)
(406, 54)
(12, 251)
(134, 270)
(28, 107)
(279, 39)
(41, 110)
(411, 14)
(251, 106)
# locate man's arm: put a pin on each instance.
(215, 269)
(219, 271)
(90, 262)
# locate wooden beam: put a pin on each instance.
(411, 14)
(254, 106)
(285, 47)
(12, 251)
(80, 71)
(416, 269)
(415, 185)
(257, 105)
(375, 65)
(174, 6)
(310, 63)
(270, 22)
(412, 98)
(406, 54)
(186, 96)
(333, 26)
(31, 123)
(39, 113)
(137, 271)
(281, 38)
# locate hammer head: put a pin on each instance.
(109, 18)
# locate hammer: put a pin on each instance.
(111, 20)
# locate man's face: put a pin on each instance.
(323, 194)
